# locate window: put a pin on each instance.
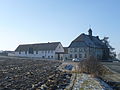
(75, 49)
(51, 56)
(80, 55)
(30, 50)
(48, 51)
(70, 55)
(65, 58)
(43, 56)
(45, 51)
(85, 49)
(80, 50)
(48, 56)
(51, 51)
(75, 55)
(36, 52)
(19, 52)
(25, 52)
(70, 49)
(61, 58)
(85, 55)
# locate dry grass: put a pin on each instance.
(92, 66)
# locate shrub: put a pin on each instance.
(91, 66)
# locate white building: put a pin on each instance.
(52, 50)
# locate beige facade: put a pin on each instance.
(85, 46)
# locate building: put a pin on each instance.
(7, 53)
(65, 55)
(48, 50)
(85, 46)
(80, 48)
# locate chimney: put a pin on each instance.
(90, 32)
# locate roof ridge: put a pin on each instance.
(40, 43)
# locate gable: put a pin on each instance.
(84, 40)
(59, 48)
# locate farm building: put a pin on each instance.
(80, 48)
(48, 50)
(85, 46)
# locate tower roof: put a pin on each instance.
(90, 30)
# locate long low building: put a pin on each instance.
(53, 50)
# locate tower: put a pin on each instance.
(90, 32)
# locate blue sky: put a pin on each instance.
(38, 21)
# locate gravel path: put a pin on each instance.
(81, 81)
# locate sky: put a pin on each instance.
(40, 21)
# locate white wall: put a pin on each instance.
(40, 54)
(82, 50)
(11, 54)
(59, 48)
(49, 54)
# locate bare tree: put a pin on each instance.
(91, 66)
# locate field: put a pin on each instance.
(114, 66)
(113, 78)
(34, 74)
(28, 74)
